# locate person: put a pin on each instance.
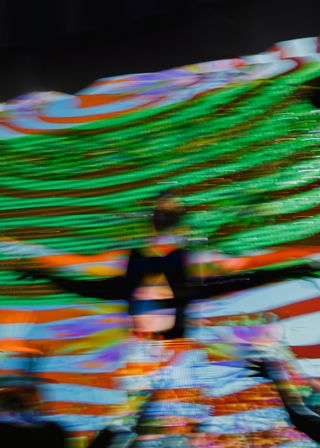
(159, 282)
(301, 416)
(164, 275)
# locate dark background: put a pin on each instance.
(66, 44)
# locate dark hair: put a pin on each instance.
(165, 216)
(170, 193)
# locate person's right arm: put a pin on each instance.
(113, 288)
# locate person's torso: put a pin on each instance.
(156, 279)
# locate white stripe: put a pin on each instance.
(305, 443)
(82, 394)
(249, 421)
(310, 367)
(16, 331)
(77, 422)
(70, 364)
(17, 248)
(229, 386)
(303, 330)
(165, 408)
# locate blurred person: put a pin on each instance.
(159, 281)
(163, 275)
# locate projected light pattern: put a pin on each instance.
(239, 139)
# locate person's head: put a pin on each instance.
(168, 211)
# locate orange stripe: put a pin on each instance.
(48, 316)
(190, 395)
(139, 368)
(65, 347)
(19, 347)
(278, 256)
(6, 372)
(298, 309)
(307, 351)
(251, 398)
(256, 397)
(102, 380)
(162, 250)
(111, 81)
(234, 408)
(71, 259)
(100, 99)
(13, 316)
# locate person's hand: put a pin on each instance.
(29, 273)
(259, 368)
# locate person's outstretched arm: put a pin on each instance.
(113, 288)
(240, 281)
(40, 262)
(269, 258)
(204, 264)
(300, 415)
(110, 263)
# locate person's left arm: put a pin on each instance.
(226, 283)
(205, 264)
(212, 273)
